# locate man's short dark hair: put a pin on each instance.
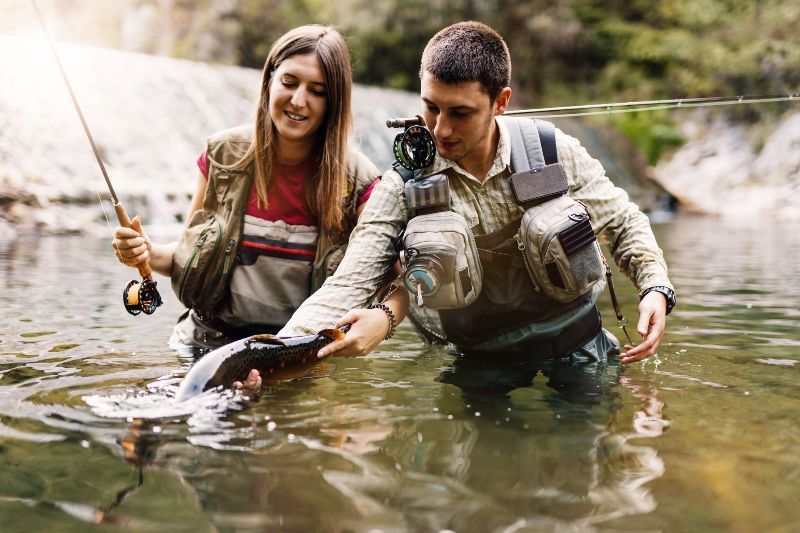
(469, 51)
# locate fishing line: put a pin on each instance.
(103, 207)
(648, 105)
(75, 102)
(137, 297)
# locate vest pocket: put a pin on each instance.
(441, 261)
(560, 249)
(193, 260)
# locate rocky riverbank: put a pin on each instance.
(736, 170)
(149, 116)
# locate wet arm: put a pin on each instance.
(368, 327)
(621, 224)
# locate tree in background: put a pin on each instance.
(563, 51)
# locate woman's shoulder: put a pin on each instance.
(228, 146)
(237, 134)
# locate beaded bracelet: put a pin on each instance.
(390, 315)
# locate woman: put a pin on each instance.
(285, 232)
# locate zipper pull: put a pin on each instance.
(520, 242)
(228, 250)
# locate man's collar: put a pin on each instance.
(502, 158)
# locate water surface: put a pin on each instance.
(703, 437)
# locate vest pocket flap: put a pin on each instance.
(539, 185)
(560, 249)
(428, 193)
(441, 264)
(195, 258)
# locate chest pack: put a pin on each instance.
(555, 236)
(443, 264)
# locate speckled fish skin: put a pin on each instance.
(265, 353)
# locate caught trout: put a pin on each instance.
(265, 353)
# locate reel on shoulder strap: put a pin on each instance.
(414, 148)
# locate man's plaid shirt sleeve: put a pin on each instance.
(370, 255)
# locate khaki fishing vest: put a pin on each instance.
(209, 259)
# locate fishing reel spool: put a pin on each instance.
(141, 297)
(414, 148)
(423, 274)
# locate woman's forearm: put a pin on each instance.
(161, 257)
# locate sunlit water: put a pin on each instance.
(705, 437)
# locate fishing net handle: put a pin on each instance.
(144, 268)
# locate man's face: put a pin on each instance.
(460, 116)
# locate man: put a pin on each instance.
(465, 76)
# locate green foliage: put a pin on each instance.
(651, 132)
(563, 51)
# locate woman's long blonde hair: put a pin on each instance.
(326, 187)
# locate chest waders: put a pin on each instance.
(512, 311)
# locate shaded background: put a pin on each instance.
(732, 161)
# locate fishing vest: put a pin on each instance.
(265, 280)
(539, 277)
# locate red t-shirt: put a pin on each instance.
(285, 198)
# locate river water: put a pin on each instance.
(704, 437)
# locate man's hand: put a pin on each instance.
(652, 322)
(251, 385)
(368, 327)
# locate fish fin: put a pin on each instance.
(267, 339)
(323, 369)
(332, 334)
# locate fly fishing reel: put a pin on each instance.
(141, 297)
(414, 148)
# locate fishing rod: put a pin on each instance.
(649, 105)
(137, 297)
(414, 148)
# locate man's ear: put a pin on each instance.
(501, 102)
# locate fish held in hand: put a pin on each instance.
(266, 353)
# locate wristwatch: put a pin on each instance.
(668, 293)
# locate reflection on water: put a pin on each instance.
(701, 437)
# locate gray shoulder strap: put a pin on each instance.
(526, 149)
(533, 143)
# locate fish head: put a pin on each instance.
(332, 334)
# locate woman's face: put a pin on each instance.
(297, 98)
